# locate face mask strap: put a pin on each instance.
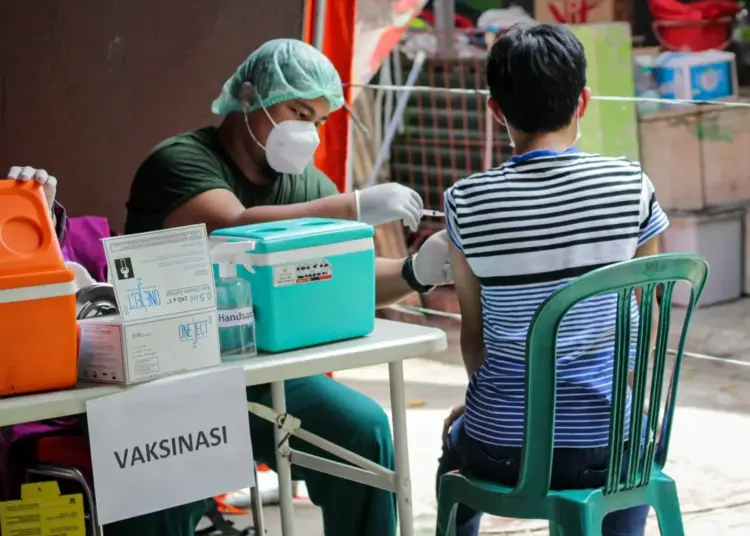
(250, 131)
(510, 138)
(268, 115)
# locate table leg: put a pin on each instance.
(403, 478)
(283, 465)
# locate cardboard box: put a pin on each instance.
(710, 75)
(113, 352)
(717, 235)
(42, 511)
(583, 11)
(696, 156)
(645, 83)
(165, 292)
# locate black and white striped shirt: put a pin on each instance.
(526, 228)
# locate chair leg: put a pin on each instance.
(585, 523)
(668, 512)
(446, 519)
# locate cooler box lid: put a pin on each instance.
(30, 255)
(301, 233)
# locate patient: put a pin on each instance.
(549, 214)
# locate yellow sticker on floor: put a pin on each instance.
(42, 511)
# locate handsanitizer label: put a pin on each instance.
(232, 318)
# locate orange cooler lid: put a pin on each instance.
(29, 251)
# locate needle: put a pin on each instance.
(433, 213)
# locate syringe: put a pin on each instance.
(432, 213)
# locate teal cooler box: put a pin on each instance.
(313, 280)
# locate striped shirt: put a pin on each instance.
(527, 227)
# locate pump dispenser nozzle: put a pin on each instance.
(228, 255)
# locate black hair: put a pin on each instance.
(535, 74)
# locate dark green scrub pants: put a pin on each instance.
(334, 412)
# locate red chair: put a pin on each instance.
(68, 458)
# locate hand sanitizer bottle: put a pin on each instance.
(234, 302)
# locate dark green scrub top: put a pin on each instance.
(187, 165)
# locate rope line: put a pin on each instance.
(408, 309)
(604, 98)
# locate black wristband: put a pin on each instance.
(407, 272)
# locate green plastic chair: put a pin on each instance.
(581, 512)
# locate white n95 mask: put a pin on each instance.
(290, 146)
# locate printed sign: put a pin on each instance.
(42, 511)
(170, 442)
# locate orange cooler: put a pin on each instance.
(38, 335)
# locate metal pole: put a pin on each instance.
(283, 464)
(383, 101)
(445, 13)
(401, 448)
(489, 131)
(403, 100)
(398, 72)
(257, 507)
(320, 23)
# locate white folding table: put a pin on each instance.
(391, 343)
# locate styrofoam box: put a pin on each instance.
(718, 236)
(709, 75)
(712, 166)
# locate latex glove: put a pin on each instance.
(431, 264)
(384, 203)
(83, 278)
(48, 182)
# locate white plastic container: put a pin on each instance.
(234, 301)
(718, 236)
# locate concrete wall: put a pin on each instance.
(88, 87)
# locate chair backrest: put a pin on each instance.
(646, 274)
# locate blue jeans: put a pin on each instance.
(571, 469)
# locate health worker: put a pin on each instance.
(256, 166)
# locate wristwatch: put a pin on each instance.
(407, 272)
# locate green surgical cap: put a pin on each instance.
(281, 70)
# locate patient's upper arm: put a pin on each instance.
(468, 291)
